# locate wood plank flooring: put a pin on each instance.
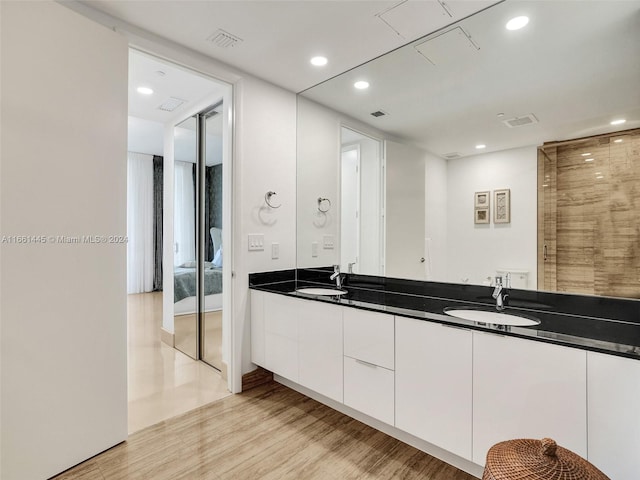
(270, 432)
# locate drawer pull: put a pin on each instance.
(366, 363)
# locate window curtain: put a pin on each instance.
(184, 214)
(140, 247)
(158, 189)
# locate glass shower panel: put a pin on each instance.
(211, 331)
(184, 237)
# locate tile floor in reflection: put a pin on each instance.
(163, 382)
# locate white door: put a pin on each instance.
(405, 226)
(350, 208)
(64, 174)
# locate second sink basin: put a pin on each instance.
(329, 292)
(493, 317)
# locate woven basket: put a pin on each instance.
(537, 460)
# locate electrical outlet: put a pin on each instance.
(327, 242)
(256, 242)
(314, 249)
(275, 251)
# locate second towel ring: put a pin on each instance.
(321, 201)
(267, 198)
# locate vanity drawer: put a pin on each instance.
(369, 336)
(369, 389)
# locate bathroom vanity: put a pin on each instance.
(387, 354)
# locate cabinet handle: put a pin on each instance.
(545, 252)
(366, 363)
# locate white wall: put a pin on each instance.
(63, 306)
(318, 151)
(265, 160)
(477, 251)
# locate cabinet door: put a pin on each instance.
(368, 388)
(281, 335)
(257, 327)
(527, 389)
(368, 336)
(320, 349)
(613, 390)
(434, 383)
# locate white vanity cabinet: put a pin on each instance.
(434, 383)
(320, 348)
(281, 316)
(299, 340)
(613, 389)
(369, 363)
(527, 389)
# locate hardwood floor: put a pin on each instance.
(270, 432)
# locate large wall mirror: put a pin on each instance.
(465, 119)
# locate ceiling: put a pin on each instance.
(168, 81)
(276, 39)
(574, 66)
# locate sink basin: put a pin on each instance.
(493, 317)
(329, 292)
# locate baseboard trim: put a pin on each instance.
(167, 337)
(433, 450)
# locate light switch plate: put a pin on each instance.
(275, 251)
(314, 249)
(256, 242)
(327, 242)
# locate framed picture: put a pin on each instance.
(502, 206)
(481, 199)
(481, 215)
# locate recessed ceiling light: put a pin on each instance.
(599, 177)
(517, 23)
(619, 140)
(588, 159)
(598, 173)
(618, 122)
(481, 146)
(145, 90)
(361, 84)
(319, 61)
(586, 154)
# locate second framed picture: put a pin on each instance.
(502, 206)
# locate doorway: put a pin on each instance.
(362, 220)
(163, 380)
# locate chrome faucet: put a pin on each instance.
(336, 276)
(501, 293)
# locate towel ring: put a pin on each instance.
(267, 198)
(320, 201)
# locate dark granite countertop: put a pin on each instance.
(606, 335)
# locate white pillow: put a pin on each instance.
(217, 258)
(191, 264)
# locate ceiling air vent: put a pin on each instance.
(171, 104)
(224, 39)
(379, 113)
(521, 121)
(452, 155)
